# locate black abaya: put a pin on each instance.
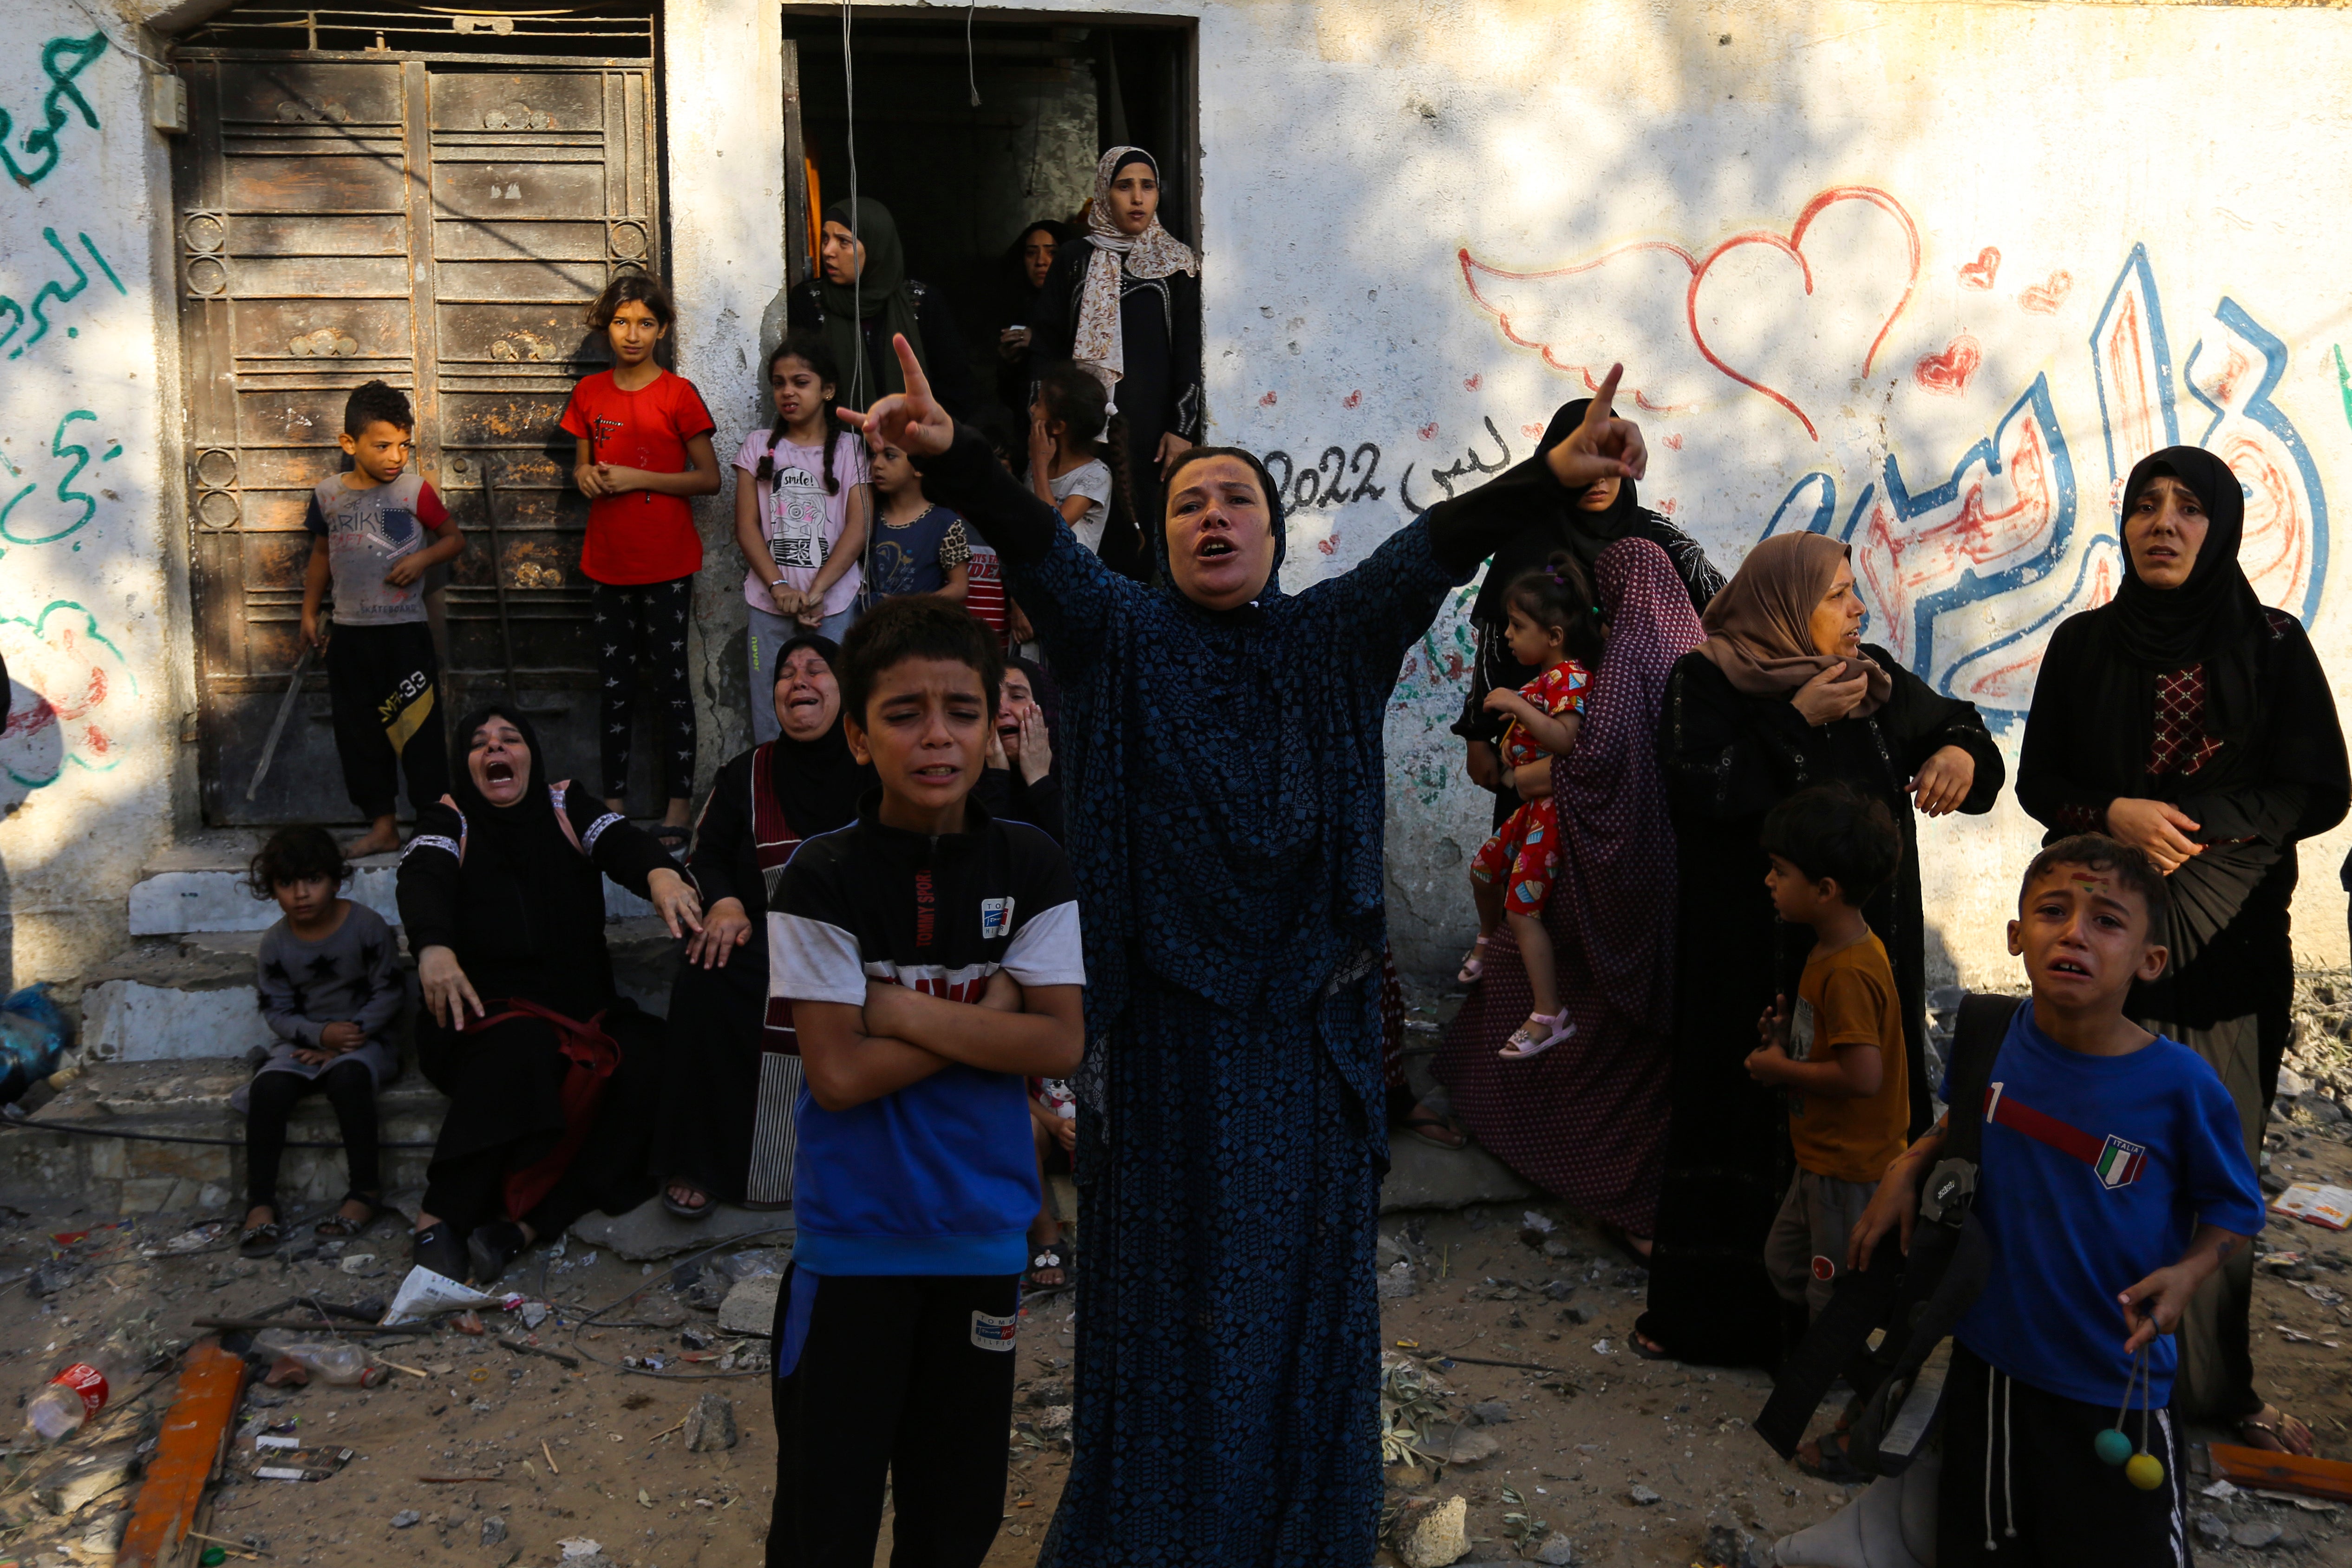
(523, 912)
(1729, 758)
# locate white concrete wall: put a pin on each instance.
(723, 135)
(93, 592)
(2041, 240)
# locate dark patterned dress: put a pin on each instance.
(1223, 778)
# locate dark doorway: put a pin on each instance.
(963, 181)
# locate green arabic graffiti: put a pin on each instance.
(57, 448)
(64, 60)
(2344, 383)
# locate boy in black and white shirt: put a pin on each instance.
(931, 956)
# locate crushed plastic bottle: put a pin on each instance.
(338, 1361)
(76, 1396)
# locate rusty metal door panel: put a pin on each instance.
(441, 225)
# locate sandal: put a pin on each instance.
(1426, 1125)
(1830, 1462)
(1474, 962)
(1539, 1034)
(685, 1210)
(261, 1240)
(1049, 1255)
(2282, 1430)
(337, 1223)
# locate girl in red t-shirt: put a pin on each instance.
(642, 446)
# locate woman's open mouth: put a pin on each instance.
(496, 771)
(1214, 549)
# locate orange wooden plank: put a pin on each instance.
(194, 1440)
(2283, 1472)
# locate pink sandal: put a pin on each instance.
(1474, 962)
(1539, 1034)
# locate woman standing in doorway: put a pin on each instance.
(862, 295)
(1127, 306)
(2189, 720)
(1027, 266)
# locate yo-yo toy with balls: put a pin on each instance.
(2144, 1471)
(2112, 1447)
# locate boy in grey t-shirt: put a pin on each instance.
(369, 537)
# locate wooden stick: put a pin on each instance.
(395, 1366)
(1481, 1360)
(236, 1548)
(551, 1457)
(452, 1480)
(254, 1324)
(519, 1348)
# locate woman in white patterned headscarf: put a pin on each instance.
(1127, 306)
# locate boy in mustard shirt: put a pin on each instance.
(1840, 1054)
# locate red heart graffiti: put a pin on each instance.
(1329, 544)
(1979, 273)
(1533, 431)
(1674, 440)
(2043, 298)
(1266, 402)
(1470, 383)
(1352, 399)
(1429, 431)
(1793, 247)
(1948, 374)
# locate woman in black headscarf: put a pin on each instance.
(861, 295)
(1127, 306)
(1019, 783)
(1028, 262)
(1586, 522)
(546, 1065)
(731, 1072)
(2189, 720)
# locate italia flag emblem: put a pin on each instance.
(2117, 1161)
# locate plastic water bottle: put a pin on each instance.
(75, 1396)
(334, 1361)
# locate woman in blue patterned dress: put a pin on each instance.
(1225, 804)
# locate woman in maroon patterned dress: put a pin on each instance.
(1587, 1120)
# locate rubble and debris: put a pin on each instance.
(711, 1425)
(67, 1489)
(187, 1451)
(751, 1306)
(1437, 1538)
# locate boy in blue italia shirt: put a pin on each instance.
(2113, 1183)
(931, 956)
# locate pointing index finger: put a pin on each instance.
(1604, 402)
(917, 383)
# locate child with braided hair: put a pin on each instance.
(1554, 626)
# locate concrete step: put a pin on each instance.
(191, 997)
(198, 886)
(41, 1168)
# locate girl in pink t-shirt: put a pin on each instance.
(802, 498)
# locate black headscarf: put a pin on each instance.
(818, 782)
(1046, 689)
(2211, 619)
(1583, 533)
(515, 838)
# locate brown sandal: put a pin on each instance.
(338, 1225)
(2283, 1430)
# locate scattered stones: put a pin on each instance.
(2256, 1535)
(1471, 1446)
(494, 1530)
(695, 1337)
(711, 1425)
(1559, 1289)
(1642, 1497)
(1050, 1391)
(2212, 1530)
(751, 1306)
(1558, 1250)
(1492, 1412)
(1557, 1549)
(1438, 1539)
(1577, 1314)
(1726, 1547)
(662, 1311)
(1054, 1420)
(405, 1518)
(1396, 1284)
(50, 1277)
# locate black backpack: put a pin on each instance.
(1918, 1299)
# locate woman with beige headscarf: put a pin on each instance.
(1125, 304)
(1782, 695)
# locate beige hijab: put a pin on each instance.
(1759, 628)
(1098, 344)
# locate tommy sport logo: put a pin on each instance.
(2116, 1161)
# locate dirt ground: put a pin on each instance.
(599, 1454)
